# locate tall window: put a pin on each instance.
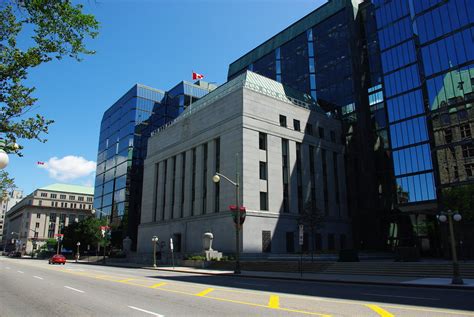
(309, 129)
(164, 190)
(217, 167)
(262, 141)
(173, 177)
(283, 121)
(296, 125)
(284, 159)
(299, 177)
(336, 178)
(263, 201)
(321, 132)
(312, 175)
(155, 206)
(183, 173)
(325, 181)
(204, 180)
(193, 182)
(263, 170)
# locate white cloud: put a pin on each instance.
(68, 168)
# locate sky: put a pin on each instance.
(157, 43)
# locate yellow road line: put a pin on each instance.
(274, 301)
(157, 285)
(382, 312)
(259, 305)
(126, 280)
(205, 292)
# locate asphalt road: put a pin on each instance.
(34, 288)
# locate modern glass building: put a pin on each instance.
(124, 133)
(398, 73)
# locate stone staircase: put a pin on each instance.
(385, 268)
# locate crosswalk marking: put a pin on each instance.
(274, 301)
(157, 285)
(382, 312)
(205, 292)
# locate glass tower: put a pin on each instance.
(398, 73)
(125, 129)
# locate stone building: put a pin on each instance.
(45, 213)
(7, 201)
(287, 153)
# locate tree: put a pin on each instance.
(86, 231)
(460, 198)
(7, 184)
(58, 29)
(313, 218)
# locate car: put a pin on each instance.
(57, 258)
(14, 254)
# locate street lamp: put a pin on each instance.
(77, 255)
(154, 240)
(449, 216)
(93, 211)
(216, 179)
(3, 155)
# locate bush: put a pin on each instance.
(195, 257)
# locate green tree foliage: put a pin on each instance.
(87, 232)
(7, 184)
(460, 198)
(57, 28)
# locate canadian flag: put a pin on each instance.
(197, 76)
(40, 163)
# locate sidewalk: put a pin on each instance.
(333, 278)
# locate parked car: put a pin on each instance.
(14, 254)
(57, 258)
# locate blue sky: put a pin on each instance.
(157, 43)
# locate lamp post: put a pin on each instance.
(15, 240)
(450, 216)
(216, 179)
(78, 254)
(154, 240)
(93, 211)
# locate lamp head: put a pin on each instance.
(93, 211)
(3, 159)
(457, 217)
(216, 178)
(442, 218)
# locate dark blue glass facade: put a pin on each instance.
(125, 129)
(399, 73)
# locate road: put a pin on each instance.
(34, 288)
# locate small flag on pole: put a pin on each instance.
(40, 163)
(197, 76)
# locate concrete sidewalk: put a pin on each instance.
(333, 278)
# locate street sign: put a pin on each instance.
(171, 244)
(301, 234)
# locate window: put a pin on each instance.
(80, 198)
(468, 150)
(38, 215)
(283, 121)
(263, 201)
(469, 169)
(54, 196)
(44, 194)
(263, 170)
(321, 132)
(89, 199)
(309, 129)
(448, 135)
(296, 125)
(333, 136)
(37, 225)
(62, 196)
(290, 242)
(465, 131)
(40, 202)
(72, 197)
(262, 141)
(266, 242)
(331, 242)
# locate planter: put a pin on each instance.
(196, 263)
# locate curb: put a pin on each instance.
(338, 281)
